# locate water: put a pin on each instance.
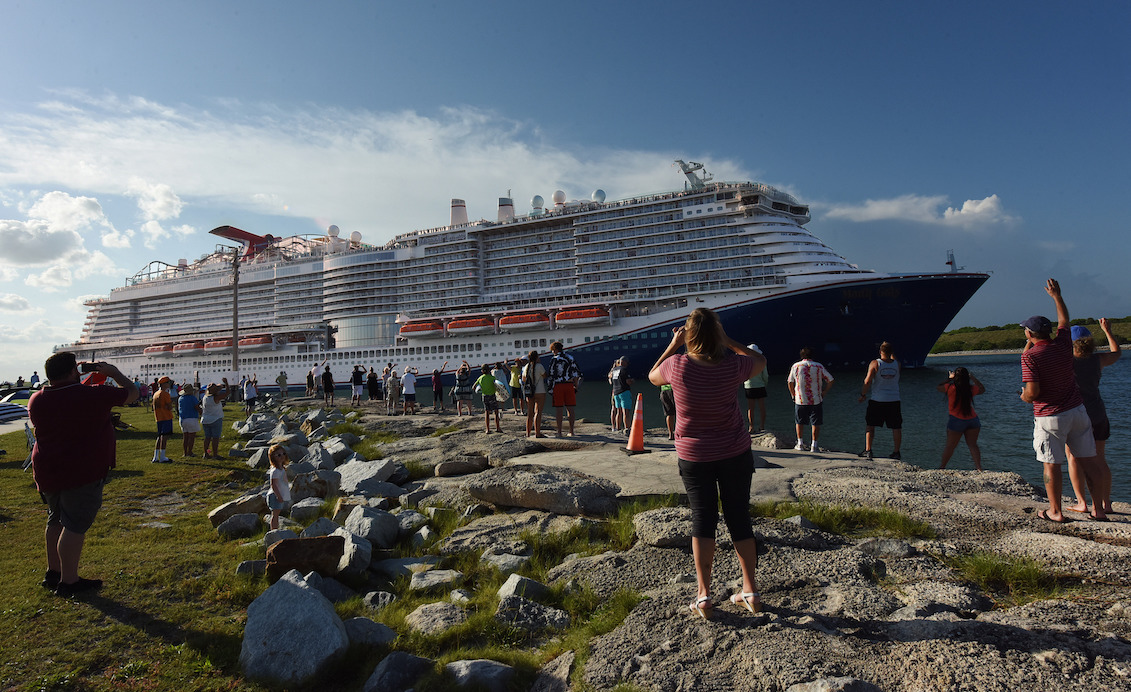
(1006, 439)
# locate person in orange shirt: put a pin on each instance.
(163, 413)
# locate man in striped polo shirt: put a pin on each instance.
(1059, 416)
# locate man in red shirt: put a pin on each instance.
(1059, 417)
(73, 454)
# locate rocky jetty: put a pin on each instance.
(841, 612)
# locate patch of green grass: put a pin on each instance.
(1016, 580)
(440, 432)
(621, 531)
(848, 520)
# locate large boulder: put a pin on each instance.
(356, 554)
(366, 632)
(433, 618)
(317, 456)
(307, 509)
(239, 526)
(528, 615)
(248, 504)
(666, 527)
(375, 525)
(322, 555)
(292, 634)
(365, 477)
(319, 483)
(553, 489)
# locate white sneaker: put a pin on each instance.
(799, 446)
(814, 448)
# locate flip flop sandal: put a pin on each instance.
(752, 600)
(697, 606)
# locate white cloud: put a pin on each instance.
(117, 239)
(925, 209)
(62, 212)
(34, 242)
(157, 201)
(39, 331)
(54, 278)
(10, 302)
(380, 173)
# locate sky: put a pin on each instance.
(130, 129)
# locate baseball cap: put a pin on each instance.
(1038, 325)
(163, 380)
(754, 347)
(1079, 332)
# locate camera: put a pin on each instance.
(88, 367)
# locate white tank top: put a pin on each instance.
(885, 387)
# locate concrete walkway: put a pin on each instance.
(597, 452)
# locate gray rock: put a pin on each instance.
(376, 526)
(422, 537)
(319, 458)
(414, 497)
(321, 527)
(529, 615)
(486, 674)
(248, 504)
(518, 585)
(397, 672)
(410, 520)
(275, 535)
(356, 555)
(297, 468)
(460, 596)
(319, 484)
(377, 600)
(252, 568)
(307, 509)
(499, 529)
(334, 590)
(364, 477)
(841, 684)
(885, 547)
(435, 578)
(368, 633)
(505, 562)
(337, 449)
(554, 676)
(433, 618)
(462, 465)
(258, 459)
(553, 489)
(239, 526)
(666, 527)
(801, 521)
(272, 653)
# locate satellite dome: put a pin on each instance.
(559, 197)
(537, 201)
(332, 231)
(355, 237)
(598, 196)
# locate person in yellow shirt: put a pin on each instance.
(163, 413)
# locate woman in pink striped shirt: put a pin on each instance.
(713, 445)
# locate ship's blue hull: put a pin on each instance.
(843, 324)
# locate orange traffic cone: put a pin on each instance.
(636, 437)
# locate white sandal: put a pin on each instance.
(699, 609)
(752, 600)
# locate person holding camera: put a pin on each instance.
(72, 457)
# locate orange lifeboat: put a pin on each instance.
(256, 343)
(472, 325)
(582, 316)
(422, 328)
(162, 351)
(534, 320)
(189, 348)
(218, 345)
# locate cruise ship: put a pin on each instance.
(605, 278)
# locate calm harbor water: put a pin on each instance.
(1006, 439)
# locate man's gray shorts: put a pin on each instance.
(75, 508)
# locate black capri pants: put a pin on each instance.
(708, 482)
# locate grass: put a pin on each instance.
(1013, 580)
(855, 521)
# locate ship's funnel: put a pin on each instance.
(506, 209)
(459, 212)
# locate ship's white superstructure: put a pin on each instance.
(596, 275)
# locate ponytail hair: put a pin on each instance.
(963, 392)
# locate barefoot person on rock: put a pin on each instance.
(713, 445)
